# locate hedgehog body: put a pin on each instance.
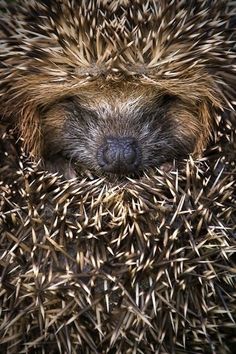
(117, 86)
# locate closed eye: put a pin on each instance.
(167, 99)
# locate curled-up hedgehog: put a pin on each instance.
(116, 87)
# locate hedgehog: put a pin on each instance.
(141, 264)
(116, 87)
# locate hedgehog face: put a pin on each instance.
(122, 131)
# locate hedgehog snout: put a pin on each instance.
(119, 155)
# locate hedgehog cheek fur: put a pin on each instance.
(85, 131)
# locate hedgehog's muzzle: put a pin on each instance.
(119, 155)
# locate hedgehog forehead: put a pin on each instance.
(110, 106)
(122, 97)
(119, 91)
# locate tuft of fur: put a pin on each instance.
(74, 72)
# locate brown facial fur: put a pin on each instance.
(165, 125)
(54, 127)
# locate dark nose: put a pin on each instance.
(119, 155)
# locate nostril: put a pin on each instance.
(119, 155)
(110, 152)
(130, 153)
